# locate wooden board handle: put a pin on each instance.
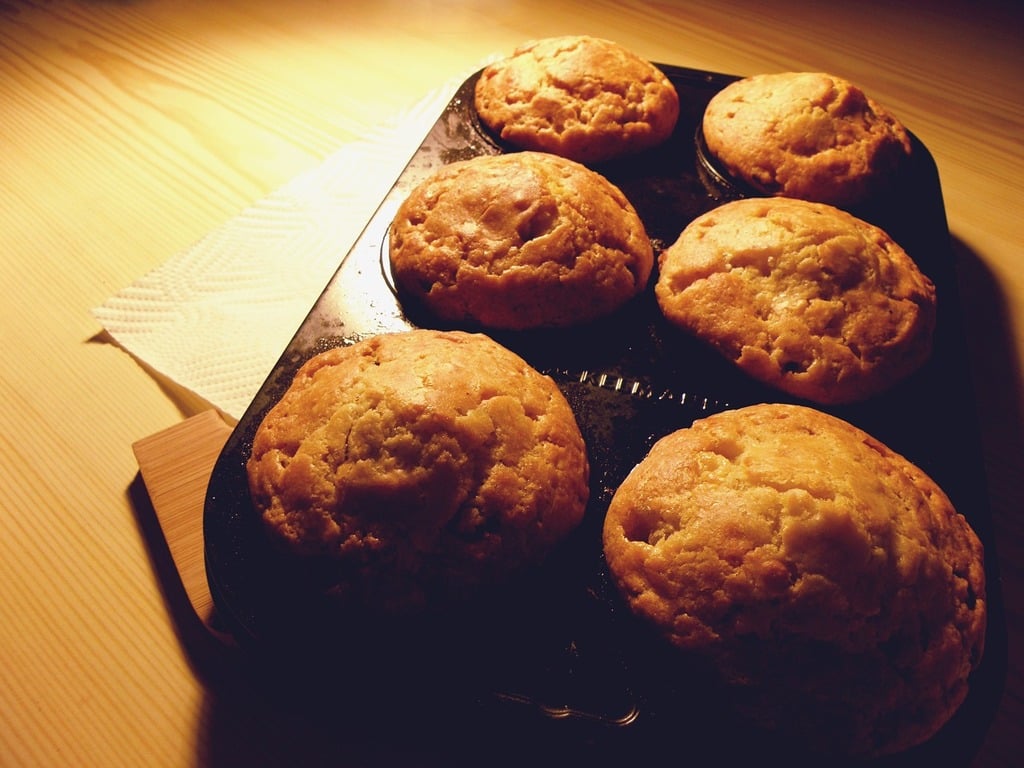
(175, 465)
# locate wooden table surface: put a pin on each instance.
(128, 130)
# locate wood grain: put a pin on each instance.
(130, 129)
(176, 464)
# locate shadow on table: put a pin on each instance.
(998, 375)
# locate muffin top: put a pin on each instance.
(801, 296)
(516, 241)
(807, 135)
(581, 97)
(418, 464)
(813, 565)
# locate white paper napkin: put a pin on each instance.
(216, 317)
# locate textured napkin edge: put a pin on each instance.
(226, 369)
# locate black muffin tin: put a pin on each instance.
(556, 658)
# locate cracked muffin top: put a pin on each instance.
(517, 241)
(801, 296)
(581, 97)
(826, 577)
(808, 135)
(418, 467)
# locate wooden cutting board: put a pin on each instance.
(175, 465)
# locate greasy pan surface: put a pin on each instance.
(559, 653)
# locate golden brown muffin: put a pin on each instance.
(826, 577)
(808, 135)
(421, 466)
(580, 97)
(518, 241)
(801, 296)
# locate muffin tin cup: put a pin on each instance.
(557, 655)
(718, 181)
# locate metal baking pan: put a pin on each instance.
(558, 658)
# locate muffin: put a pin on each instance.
(826, 578)
(581, 97)
(807, 135)
(415, 469)
(518, 241)
(801, 296)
